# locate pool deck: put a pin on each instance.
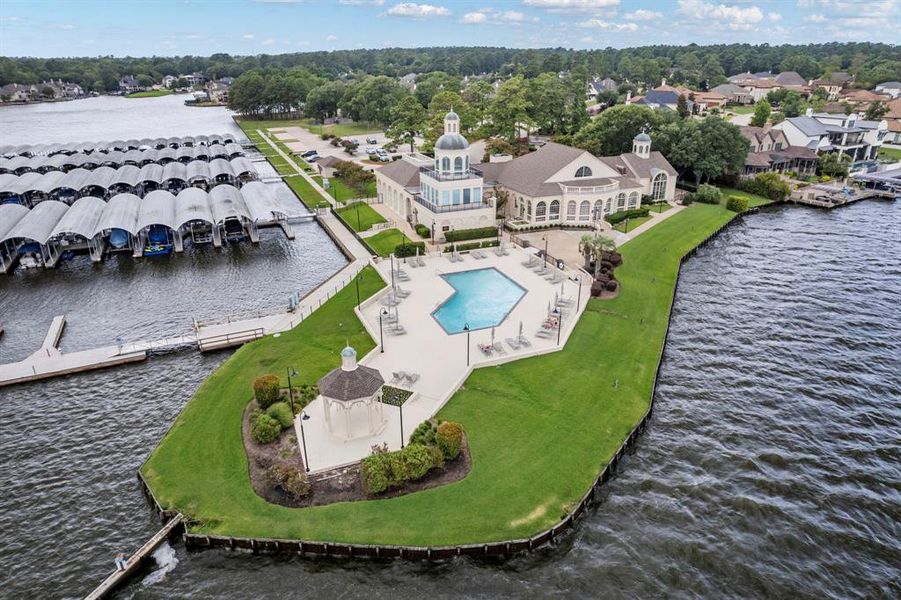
(437, 357)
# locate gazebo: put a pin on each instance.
(347, 387)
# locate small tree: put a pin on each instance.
(834, 164)
(501, 197)
(761, 113)
(875, 111)
(355, 177)
(450, 439)
(292, 480)
(593, 248)
(266, 390)
(265, 429)
(682, 107)
(708, 194)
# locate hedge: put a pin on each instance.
(708, 194)
(627, 214)
(409, 249)
(423, 231)
(472, 246)
(460, 235)
(382, 470)
(737, 204)
(450, 439)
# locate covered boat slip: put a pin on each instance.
(159, 223)
(30, 150)
(104, 182)
(42, 163)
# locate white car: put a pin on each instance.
(383, 156)
(371, 140)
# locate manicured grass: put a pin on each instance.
(149, 94)
(539, 429)
(741, 110)
(360, 216)
(890, 153)
(753, 199)
(342, 130)
(633, 223)
(384, 242)
(343, 193)
(660, 207)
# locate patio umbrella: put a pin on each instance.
(492, 336)
(520, 329)
(556, 299)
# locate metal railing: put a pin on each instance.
(471, 173)
(435, 208)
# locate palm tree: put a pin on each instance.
(593, 248)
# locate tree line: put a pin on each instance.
(691, 65)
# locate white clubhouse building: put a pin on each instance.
(554, 185)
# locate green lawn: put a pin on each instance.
(753, 199)
(632, 223)
(149, 94)
(539, 429)
(660, 207)
(342, 130)
(890, 153)
(342, 192)
(360, 216)
(384, 242)
(741, 110)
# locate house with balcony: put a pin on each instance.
(823, 132)
(771, 152)
(562, 185)
(443, 193)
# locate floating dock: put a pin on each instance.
(118, 577)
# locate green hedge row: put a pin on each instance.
(627, 214)
(737, 204)
(423, 231)
(472, 246)
(460, 235)
(409, 249)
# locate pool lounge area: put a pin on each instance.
(517, 298)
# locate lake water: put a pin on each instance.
(772, 467)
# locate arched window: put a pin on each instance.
(540, 211)
(529, 209)
(458, 165)
(555, 210)
(571, 210)
(522, 208)
(598, 210)
(466, 162)
(585, 210)
(621, 200)
(633, 200)
(583, 172)
(658, 187)
(437, 165)
(607, 205)
(445, 164)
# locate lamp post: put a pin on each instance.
(291, 373)
(559, 323)
(401, 407)
(382, 313)
(392, 270)
(579, 297)
(303, 438)
(433, 232)
(466, 329)
(357, 283)
(545, 250)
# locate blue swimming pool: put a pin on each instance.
(483, 298)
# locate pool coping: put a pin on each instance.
(456, 291)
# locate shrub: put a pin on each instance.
(423, 231)
(460, 235)
(768, 185)
(687, 199)
(325, 136)
(598, 287)
(409, 249)
(450, 439)
(611, 285)
(737, 204)
(281, 412)
(265, 390)
(627, 214)
(265, 429)
(646, 199)
(424, 434)
(375, 472)
(292, 480)
(708, 194)
(614, 258)
(437, 457)
(417, 461)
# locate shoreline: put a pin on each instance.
(489, 547)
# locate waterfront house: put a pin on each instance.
(194, 78)
(443, 193)
(562, 185)
(168, 81)
(824, 132)
(734, 94)
(770, 151)
(14, 92)
(128, 84)
(218, 92)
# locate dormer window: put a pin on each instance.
(583, 172)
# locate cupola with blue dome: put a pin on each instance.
(641, 145)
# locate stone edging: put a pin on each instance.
(491, 549)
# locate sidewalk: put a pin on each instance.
(621, 238)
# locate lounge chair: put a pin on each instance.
(389, 301)
(565, 301)
(499, 347)
(399, 376)
(412, 377)
(524, 341)
(419, 262)
(528, 263)
(402, 293)
(514, 345)
(543, 271)
(544, 333)
(498, 251)
(486, 349)
(504, 251)
(397, 330)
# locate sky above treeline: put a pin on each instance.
(49, 28)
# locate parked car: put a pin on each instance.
(312, 157)
(371, 140)
(383, 156)
(370, 150)
(309, 153)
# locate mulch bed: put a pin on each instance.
(337, 485)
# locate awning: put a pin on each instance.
(38, 224)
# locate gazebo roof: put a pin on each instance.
(361, 382)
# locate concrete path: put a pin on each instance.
(298, 170)
(621, 238)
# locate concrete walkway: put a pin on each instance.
(621, 238)
(298, 170)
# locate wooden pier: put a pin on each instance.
(118, 577)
